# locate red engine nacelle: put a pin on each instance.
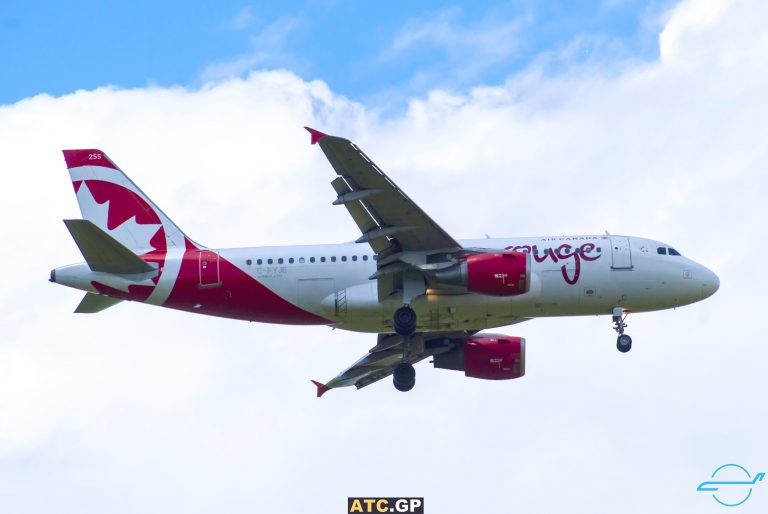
(492, 357)
(497, 274)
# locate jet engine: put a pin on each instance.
(487, 356)
(498, 273)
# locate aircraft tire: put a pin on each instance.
(404, 377)
(624, 343)
(404, 321)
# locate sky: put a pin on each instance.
(500, 118)
(363, 50)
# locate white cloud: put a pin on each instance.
(443, 30)
(267, 48)
(243, 19)
(140, 409)
(469, 49)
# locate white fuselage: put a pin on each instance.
(570, 276)
(628, 272)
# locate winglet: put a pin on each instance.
(316, 135)
(321, 388)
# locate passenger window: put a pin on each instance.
(290, 261)
(280, 260)
(535, 251)
(354, 257)
(343, 258)
(322, 259)
(333, 259)
(249, 262)
(269, 261)
(301, 260)
(672, 251)
(599, 249)
(311, 259)
(365, 257)
(259, 261)
(661, 250)
(375, 257)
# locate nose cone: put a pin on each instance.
(710, 283)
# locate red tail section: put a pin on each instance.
(110, 200)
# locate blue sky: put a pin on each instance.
(361, 49)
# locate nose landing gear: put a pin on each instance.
(623, 342)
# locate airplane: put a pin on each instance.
(426, 294)
(715, 485)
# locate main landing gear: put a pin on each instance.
(404, 321)
(404, 377)
(623, 342)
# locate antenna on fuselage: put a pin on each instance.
(607, 233)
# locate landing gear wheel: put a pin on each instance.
(404, 377)
(404, 321)
(624, 343)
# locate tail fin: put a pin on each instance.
(112, 202)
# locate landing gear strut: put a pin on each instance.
(623, 342)
(404, 321)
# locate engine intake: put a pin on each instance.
(496, 274)
(491, 357)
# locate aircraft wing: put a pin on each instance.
(381, 360)
(389, 220)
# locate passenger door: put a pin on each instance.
(209, 269)
(621, 253)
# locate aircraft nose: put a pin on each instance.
(710, 284)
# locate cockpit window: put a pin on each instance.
(661, 250)
(672, 251)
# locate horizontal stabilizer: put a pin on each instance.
(102, 252)
(92, 303)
